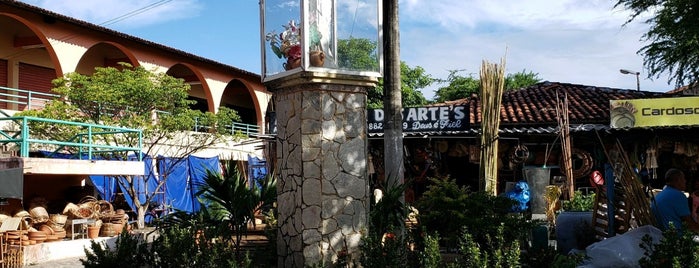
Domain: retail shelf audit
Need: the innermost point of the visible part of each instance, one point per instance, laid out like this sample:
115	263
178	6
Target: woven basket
69	207
39	214
58	219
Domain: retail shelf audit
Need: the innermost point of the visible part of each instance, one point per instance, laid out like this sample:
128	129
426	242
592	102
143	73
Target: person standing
671	205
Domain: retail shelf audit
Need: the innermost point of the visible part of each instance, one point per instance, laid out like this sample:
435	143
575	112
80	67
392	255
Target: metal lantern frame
317	27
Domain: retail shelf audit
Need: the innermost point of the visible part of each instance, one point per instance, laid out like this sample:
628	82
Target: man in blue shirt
671	205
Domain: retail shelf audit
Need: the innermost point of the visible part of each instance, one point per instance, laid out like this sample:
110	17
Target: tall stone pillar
323	190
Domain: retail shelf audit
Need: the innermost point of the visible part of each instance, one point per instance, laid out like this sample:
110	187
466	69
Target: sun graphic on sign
622	114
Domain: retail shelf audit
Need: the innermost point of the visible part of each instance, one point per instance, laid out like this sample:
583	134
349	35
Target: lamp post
319	59
638	80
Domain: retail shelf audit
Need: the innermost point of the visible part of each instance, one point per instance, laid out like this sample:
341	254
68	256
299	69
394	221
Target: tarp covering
197	172
142	184
177	187
257	170
183	175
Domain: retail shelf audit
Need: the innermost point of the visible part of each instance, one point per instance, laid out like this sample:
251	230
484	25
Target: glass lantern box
320	36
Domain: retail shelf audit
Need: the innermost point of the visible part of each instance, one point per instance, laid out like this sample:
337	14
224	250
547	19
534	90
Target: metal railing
19	99
86	142
235	128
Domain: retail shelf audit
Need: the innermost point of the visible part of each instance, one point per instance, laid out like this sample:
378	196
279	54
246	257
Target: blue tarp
179	189
140	182
257	170
197	172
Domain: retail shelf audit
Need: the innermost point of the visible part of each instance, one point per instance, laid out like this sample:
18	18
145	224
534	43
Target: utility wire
108	22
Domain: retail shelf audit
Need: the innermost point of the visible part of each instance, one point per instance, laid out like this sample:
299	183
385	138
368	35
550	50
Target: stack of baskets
111	222
18	237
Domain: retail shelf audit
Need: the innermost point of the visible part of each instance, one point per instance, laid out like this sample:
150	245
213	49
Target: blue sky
569	41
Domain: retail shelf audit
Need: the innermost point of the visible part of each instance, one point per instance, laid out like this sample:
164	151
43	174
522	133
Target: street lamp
638	81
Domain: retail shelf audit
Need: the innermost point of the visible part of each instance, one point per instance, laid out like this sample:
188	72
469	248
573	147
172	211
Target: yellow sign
680	111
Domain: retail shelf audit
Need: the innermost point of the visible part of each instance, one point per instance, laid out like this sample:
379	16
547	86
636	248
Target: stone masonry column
323	189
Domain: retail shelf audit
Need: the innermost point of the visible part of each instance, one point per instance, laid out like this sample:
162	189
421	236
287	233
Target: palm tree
230	198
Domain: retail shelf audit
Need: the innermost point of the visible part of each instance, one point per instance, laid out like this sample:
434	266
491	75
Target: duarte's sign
420	119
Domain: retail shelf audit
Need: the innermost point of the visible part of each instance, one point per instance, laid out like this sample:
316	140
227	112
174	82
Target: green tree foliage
130	97
460	87
673	37
357	54
412	80
361	54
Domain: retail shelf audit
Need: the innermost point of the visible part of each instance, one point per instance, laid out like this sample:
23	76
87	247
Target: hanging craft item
520	154
585	160
652	161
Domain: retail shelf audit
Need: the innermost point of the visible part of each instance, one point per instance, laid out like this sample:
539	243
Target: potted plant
287	44
574	222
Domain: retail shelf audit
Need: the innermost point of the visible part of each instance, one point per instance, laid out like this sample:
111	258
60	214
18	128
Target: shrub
676	249
128	252
579	202
498	253
430	257
379	250
447	208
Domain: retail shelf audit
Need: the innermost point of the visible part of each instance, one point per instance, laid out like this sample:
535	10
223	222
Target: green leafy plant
499	253
430	257
230	196
127	252
579	202
381	250
676	249
390	210
447	207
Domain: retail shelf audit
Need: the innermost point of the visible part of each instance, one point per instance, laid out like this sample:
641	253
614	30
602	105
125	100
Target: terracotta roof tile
536	105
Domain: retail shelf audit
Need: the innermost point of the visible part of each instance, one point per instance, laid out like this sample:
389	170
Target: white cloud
122	13
569	41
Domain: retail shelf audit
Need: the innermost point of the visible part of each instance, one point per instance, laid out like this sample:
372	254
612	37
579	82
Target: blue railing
86	143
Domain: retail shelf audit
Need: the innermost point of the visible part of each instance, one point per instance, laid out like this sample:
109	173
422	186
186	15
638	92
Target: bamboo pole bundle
564	132
492	79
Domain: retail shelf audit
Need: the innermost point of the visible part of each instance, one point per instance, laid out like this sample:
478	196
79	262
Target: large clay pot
572	229
93	232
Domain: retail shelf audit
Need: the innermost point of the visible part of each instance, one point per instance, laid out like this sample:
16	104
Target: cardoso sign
680	111
419	119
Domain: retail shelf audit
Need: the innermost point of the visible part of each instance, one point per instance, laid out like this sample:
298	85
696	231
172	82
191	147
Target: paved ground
62	263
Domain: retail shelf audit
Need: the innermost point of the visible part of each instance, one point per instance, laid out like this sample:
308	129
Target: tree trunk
393	120
141	216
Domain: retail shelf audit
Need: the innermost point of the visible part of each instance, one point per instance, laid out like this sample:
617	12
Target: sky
568	41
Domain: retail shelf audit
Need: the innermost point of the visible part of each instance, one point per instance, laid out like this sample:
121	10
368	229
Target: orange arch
204	84
255	101
132	58
44	40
